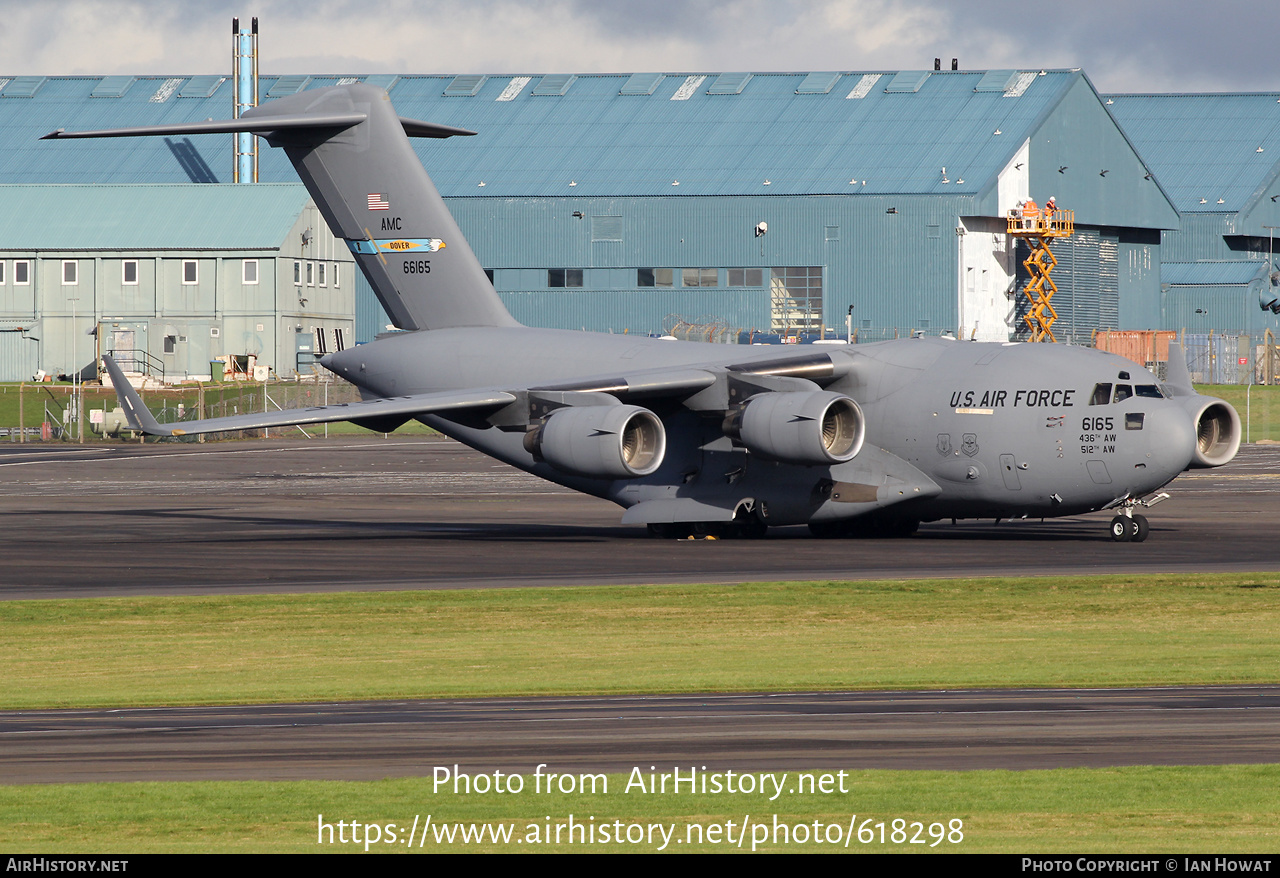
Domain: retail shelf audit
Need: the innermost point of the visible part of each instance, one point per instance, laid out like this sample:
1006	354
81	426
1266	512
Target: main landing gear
1130	527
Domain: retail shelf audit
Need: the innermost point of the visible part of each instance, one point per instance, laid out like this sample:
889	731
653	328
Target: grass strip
1050	632
1225	809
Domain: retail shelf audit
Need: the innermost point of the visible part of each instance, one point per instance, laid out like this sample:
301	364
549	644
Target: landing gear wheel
1140	528
1122	529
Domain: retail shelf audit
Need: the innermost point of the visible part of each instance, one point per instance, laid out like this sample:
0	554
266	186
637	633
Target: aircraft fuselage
953	429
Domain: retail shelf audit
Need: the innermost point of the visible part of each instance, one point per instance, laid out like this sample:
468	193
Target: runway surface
369	513
372	513
1013	729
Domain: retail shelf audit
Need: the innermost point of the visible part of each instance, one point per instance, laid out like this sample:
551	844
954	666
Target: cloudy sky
1124	45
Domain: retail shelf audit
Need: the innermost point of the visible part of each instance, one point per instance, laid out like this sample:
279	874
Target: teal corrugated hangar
167	276
1218	157
771	202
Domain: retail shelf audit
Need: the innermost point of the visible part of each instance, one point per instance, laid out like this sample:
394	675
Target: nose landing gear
1128	526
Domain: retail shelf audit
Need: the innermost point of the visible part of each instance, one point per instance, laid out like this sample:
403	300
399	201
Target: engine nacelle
1217	427
600	441
813	428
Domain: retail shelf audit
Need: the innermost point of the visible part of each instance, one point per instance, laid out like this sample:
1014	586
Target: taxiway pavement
372	513
961	730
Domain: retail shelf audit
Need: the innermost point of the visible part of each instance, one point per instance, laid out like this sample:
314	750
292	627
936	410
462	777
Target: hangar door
19	356
1088	280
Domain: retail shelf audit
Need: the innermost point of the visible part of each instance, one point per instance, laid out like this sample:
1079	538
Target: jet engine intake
600	441
1217	427
815	428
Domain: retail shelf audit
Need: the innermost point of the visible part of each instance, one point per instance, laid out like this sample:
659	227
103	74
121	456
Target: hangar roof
183	216
583	135
1213	153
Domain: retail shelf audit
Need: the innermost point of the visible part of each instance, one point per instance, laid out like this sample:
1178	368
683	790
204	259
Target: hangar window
190	271
249	274
2	264
170	343
311	274
129	272
335	275
746	277
700	277
488	272
21	272
655	277
297	272
795	298
1101	394
564	277
70	272
320	266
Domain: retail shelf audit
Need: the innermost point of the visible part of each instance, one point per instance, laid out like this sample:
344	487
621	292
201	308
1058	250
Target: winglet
140	417
1177	376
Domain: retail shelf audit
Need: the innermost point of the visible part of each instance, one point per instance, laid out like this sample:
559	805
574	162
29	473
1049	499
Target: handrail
1058	223
131	357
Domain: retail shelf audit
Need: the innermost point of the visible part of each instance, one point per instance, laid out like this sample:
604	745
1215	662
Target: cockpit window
1133	420
1101	394
1123	392
1150	391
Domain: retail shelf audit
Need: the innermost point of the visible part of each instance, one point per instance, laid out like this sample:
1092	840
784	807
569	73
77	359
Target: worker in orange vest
1049	207
1030	214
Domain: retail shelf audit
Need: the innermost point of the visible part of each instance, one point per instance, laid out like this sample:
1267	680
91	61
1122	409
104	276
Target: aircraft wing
667	382
141	419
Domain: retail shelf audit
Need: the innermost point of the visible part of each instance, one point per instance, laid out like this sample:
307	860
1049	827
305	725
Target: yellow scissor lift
1039	230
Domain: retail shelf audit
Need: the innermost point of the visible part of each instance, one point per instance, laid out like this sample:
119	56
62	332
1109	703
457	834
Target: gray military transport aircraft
708	438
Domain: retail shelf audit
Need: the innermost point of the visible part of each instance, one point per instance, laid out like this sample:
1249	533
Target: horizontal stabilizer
264	124
142	421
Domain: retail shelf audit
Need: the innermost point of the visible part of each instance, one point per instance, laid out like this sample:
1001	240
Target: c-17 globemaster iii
703	438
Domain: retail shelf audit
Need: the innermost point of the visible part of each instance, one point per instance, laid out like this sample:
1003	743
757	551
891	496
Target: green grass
1231	809
1091	631
1096	631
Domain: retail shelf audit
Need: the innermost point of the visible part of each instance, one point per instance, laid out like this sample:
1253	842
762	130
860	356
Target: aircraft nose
1171	438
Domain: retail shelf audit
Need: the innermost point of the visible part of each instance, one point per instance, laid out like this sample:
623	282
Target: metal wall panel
1139	281
1200	238
1198	309
887	265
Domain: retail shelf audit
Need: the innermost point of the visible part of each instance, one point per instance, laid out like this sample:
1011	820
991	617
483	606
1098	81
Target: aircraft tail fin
353	154
1178	376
